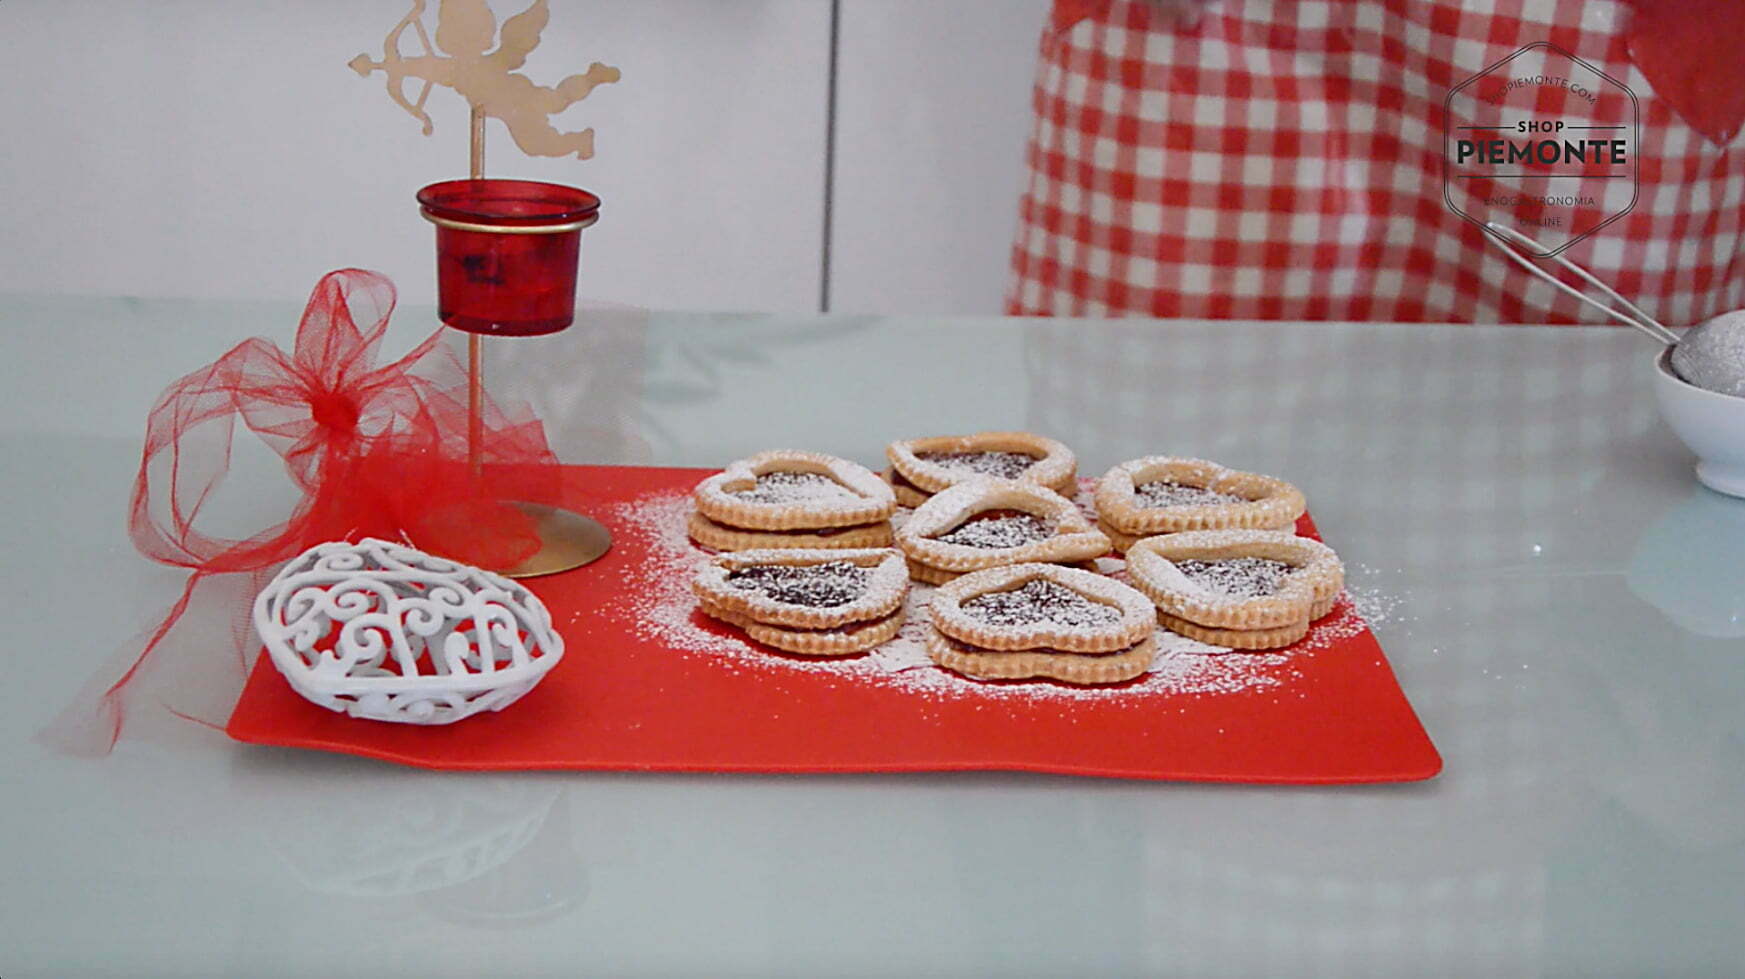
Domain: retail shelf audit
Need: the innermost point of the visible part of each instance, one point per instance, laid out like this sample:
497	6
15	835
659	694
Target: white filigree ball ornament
387	632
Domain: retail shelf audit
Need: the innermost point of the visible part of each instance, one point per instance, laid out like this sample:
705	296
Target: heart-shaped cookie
1030	606
784	489
807	589
987	523
811	602
929	465
1237	579
1042	620
1168	495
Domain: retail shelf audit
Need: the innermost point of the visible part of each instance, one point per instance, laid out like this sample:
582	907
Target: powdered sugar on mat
657	598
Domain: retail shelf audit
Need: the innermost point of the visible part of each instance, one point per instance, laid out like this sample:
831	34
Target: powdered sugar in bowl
1711	423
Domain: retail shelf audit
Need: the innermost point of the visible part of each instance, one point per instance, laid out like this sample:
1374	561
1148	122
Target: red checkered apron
1284	160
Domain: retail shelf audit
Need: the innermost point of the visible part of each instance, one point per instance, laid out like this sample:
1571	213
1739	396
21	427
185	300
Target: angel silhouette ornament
465	31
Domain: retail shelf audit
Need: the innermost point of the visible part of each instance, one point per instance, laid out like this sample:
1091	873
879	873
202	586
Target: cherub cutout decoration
465	31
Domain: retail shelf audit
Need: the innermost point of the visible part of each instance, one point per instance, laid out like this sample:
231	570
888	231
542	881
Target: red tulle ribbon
376	451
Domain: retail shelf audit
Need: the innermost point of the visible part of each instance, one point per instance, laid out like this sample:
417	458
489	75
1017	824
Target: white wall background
203	148
933	114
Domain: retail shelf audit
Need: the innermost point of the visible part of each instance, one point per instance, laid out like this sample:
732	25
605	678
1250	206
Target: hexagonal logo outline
1635	143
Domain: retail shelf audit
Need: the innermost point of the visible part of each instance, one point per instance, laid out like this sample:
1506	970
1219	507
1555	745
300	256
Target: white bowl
1712	424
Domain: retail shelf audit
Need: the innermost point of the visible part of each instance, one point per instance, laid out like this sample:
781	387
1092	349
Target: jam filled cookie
784	498
1042	620
719	537
989	523
922	467
1165	495
1247	589
811	602
906	493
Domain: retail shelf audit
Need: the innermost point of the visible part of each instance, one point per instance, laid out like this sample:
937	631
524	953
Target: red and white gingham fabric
1282	159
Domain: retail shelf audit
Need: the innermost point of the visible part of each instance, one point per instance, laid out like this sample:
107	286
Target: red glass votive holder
507	252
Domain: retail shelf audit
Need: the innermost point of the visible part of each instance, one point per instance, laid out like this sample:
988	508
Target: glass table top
1563	605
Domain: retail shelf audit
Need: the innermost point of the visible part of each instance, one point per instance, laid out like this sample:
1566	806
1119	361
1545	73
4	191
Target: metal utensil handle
1640	320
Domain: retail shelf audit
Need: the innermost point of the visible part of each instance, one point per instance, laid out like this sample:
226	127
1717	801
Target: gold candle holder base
568	540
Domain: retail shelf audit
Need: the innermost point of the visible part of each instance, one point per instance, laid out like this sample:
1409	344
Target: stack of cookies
1042	620
987	523
1245	589
925	466
1168	495
784	498
814	602
806	565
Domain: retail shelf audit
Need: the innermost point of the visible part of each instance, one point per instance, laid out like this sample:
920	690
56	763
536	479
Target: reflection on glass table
1557	597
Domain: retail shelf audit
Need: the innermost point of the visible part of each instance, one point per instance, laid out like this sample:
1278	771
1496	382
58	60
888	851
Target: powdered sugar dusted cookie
844	640
813	602
720	537
809	589
930	465
784	489
1079	668
1032	620
987	523
907	494
1167	495
1270	584
1028	606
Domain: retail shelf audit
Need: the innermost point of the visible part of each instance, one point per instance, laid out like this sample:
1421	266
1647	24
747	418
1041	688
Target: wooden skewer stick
475	343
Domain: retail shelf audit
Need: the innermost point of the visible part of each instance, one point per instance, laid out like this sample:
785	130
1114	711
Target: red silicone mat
626	698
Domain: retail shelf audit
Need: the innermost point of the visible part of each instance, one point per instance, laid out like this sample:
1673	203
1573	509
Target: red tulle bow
377	451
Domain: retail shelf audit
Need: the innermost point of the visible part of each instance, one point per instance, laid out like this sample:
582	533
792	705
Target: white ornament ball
387	632
1712	354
